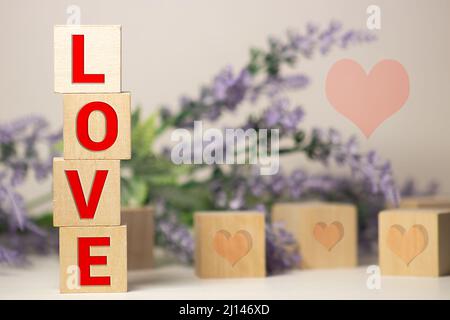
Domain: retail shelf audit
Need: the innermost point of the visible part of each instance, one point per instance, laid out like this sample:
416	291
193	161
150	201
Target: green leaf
143	136
136	193
7	150
135	117
45	220
59	146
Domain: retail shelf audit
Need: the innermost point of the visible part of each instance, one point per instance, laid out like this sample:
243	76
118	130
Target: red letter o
83	126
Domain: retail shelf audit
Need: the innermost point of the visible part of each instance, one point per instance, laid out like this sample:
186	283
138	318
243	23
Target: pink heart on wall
367	99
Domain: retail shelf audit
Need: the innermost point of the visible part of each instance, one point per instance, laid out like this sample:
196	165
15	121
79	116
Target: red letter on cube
86	210
78	75
85	261
83	126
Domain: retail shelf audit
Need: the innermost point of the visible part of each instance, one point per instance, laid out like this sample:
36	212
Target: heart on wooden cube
230	244
328	235
414	242
326	232
407	245
233	248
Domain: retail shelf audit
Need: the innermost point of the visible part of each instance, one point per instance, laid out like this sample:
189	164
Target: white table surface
40	281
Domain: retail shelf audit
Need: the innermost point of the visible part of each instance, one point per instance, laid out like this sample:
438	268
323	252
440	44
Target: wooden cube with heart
414	242
326	232
230	244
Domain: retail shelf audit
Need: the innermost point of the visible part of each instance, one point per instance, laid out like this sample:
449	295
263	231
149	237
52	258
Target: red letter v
86	210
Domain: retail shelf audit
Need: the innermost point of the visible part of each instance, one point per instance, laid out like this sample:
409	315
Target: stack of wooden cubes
86	182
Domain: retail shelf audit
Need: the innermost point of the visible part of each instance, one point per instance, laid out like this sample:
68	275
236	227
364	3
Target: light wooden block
140	236
102	55
425	203
97	126
116	259
414	242
326	232
65	211
229	244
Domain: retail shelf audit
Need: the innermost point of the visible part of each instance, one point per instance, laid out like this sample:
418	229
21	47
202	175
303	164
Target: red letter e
85	261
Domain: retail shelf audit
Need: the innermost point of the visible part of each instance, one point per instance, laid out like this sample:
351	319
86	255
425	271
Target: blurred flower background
177	191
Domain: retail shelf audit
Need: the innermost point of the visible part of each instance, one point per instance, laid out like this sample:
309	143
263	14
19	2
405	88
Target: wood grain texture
326	232
65	212
102	55
414	242
121	149
116	255
140	235
229	244
425	203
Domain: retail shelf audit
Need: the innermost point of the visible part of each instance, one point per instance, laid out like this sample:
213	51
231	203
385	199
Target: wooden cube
140	236
86	192
414	242
425	203
87	58
97	126
326	232
229	244
93	259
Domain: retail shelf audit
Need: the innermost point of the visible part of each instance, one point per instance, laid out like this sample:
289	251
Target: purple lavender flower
321	184
302	44
15	205
231	90
237	202
297	183
42	169
257	185
26	146
279	115
260	207
177	239
11	257
334	34
410	189
281	250
19	171
239	190
275	86
294	82
213	113
277	184
387	184
354	37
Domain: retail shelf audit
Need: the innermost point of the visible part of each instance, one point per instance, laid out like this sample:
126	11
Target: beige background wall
171	47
